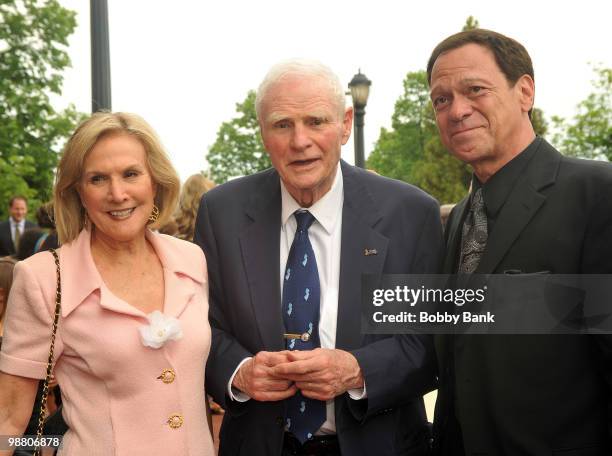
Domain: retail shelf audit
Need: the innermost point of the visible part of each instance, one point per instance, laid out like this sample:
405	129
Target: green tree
33	40
589	133
238	149
412	125
470	24
12	182
539	122
440	174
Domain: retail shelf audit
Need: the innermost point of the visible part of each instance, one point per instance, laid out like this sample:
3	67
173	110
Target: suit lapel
260	246
359	215
523	203
515	215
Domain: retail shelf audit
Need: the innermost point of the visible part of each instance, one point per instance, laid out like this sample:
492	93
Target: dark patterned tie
301	296
474	234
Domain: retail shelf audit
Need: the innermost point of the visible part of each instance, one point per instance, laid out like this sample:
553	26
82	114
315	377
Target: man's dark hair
511	56
44	216
17	197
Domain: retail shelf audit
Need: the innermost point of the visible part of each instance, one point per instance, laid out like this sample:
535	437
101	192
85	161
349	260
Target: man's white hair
301	68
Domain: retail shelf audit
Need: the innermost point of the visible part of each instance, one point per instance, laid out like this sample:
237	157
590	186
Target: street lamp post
100	57
360	90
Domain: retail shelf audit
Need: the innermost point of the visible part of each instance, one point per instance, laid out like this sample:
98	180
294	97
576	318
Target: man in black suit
368	387
530	210
12	229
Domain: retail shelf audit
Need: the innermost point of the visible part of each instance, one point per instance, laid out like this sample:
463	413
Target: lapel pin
368	252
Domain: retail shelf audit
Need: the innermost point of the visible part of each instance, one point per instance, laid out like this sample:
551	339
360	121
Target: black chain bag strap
45	392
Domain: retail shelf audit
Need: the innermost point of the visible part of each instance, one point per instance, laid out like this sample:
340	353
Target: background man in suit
531	210
363	392
12	229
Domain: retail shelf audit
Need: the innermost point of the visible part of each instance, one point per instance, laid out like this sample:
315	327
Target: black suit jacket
6	240
238	226
537	394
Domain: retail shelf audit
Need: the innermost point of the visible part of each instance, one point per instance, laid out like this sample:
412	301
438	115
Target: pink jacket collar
80	277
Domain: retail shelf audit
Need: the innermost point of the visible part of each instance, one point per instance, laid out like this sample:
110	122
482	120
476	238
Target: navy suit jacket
6	240
238	226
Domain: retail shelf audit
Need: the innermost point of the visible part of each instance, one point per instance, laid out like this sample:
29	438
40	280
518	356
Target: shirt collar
15	223
497	189
325	211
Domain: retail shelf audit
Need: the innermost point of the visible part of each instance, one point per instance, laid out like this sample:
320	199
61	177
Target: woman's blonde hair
69	212
189	202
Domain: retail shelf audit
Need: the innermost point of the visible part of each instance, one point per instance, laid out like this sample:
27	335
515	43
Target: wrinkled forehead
307	93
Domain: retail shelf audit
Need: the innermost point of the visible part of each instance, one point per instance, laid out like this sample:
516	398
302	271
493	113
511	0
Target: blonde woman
133	336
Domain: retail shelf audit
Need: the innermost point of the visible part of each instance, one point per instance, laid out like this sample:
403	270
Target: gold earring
154	214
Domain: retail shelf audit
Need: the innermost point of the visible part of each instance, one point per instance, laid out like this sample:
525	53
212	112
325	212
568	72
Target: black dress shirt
497	189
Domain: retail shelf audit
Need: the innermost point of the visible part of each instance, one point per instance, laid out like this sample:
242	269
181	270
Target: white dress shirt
325	237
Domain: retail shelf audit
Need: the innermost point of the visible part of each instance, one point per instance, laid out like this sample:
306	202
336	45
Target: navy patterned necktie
301	297
474	234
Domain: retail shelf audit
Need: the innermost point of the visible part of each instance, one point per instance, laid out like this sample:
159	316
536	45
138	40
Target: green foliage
33	39
238	150
440	174
589	133
14	172
396	150
411	151
538	121
470	24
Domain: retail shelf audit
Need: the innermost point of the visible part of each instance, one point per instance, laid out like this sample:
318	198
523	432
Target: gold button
167	376
175	421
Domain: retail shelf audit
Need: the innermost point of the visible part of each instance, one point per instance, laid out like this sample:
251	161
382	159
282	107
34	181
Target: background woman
133	336
189	202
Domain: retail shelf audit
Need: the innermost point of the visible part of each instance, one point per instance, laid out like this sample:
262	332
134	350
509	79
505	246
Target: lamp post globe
360	90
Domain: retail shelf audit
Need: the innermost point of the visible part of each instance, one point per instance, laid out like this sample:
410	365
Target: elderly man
12	229
532	211
286	249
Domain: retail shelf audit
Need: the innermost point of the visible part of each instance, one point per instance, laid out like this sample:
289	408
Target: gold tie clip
304	337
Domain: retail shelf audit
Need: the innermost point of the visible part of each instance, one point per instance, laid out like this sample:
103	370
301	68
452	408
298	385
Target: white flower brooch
160	330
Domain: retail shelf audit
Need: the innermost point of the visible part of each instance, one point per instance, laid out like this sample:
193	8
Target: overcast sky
183	65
